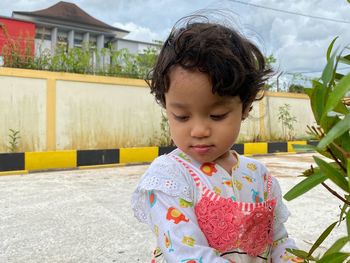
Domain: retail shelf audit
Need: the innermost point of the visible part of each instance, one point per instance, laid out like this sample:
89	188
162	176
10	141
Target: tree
269	60
296	88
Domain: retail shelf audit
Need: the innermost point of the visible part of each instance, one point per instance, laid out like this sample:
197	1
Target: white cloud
299	43
138	32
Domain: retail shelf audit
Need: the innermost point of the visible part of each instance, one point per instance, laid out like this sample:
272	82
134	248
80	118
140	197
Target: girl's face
202	124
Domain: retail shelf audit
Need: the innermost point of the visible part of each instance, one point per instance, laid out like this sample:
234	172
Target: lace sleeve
281	239
282	213
163	175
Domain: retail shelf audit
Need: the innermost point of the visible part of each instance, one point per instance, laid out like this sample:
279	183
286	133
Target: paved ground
85	215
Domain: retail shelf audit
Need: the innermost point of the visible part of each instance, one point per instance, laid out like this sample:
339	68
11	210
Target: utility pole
277	82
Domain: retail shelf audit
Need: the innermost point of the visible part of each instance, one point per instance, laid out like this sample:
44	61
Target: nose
200	129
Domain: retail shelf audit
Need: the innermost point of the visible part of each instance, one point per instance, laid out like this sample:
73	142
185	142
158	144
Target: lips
201	149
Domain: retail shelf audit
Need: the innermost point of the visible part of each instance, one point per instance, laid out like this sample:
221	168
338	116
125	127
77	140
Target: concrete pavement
85	215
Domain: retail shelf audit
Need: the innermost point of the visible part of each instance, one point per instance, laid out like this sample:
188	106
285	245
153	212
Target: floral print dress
179	199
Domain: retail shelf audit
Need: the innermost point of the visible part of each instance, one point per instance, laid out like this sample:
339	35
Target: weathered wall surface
23	108
62	111
98	116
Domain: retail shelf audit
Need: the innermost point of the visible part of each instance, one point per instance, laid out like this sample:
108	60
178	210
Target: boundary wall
18	163
55	111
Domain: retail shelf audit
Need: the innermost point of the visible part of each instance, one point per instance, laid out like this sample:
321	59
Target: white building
67	24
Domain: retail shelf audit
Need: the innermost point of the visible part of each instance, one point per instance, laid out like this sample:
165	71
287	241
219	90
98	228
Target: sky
298	42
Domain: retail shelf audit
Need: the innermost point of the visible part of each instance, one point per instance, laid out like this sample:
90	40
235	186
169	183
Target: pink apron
228	224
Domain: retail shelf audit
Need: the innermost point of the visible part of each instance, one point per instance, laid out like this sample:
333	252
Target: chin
203	159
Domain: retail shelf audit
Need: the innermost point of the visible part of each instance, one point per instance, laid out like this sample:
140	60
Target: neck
227	161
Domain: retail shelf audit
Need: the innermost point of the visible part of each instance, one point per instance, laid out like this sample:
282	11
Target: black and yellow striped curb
15	163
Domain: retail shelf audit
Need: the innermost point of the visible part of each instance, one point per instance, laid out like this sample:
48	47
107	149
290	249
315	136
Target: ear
246	111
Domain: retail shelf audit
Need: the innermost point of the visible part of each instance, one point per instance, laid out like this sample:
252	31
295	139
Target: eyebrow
184	106
220	103
178	105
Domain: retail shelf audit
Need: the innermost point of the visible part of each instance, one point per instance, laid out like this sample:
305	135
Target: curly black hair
234	65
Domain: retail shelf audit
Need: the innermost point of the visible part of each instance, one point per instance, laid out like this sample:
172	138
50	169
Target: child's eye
218	117
181	117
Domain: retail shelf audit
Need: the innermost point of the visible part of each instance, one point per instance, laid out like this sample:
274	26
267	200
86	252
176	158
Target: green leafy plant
13	140
295	85
17	53
296	88
330	106
269	60
287	121
164	139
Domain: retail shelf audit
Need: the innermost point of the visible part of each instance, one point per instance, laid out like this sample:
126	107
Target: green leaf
344	142
337	257
330	47
337	130
329	122
341	108
298	253
337	246
338	76
305	185
317	100
322	237
308	92
328	71
345	60
336	95
332	173
304	147
343	211
348	173
348	222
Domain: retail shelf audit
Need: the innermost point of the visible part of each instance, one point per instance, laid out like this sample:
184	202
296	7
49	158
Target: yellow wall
299	108
23	108
50	160
99	116
63	111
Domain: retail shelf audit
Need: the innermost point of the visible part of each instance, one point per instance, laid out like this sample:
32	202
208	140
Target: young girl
204	202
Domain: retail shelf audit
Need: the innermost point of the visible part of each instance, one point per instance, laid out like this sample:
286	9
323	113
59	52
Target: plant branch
336	159
316	131
335	194
345	153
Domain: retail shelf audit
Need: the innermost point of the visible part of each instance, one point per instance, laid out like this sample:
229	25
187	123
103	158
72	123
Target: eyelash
218	117
213	117
181	118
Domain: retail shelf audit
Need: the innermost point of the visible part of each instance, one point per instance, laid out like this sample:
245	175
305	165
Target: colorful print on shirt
251	166
156	230
208	168
287	257
175	215
255	196
167	242
185	204
192	260
188	241
152	198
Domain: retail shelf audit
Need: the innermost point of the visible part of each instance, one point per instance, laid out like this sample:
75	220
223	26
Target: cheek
174	129
232	129
178	132
171	124
178	136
